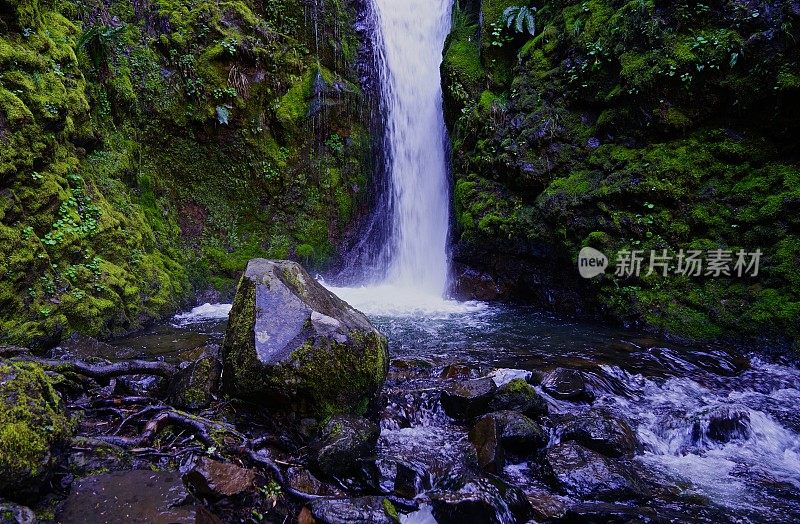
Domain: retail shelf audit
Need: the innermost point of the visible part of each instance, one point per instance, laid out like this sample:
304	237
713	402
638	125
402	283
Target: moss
390	510
33	426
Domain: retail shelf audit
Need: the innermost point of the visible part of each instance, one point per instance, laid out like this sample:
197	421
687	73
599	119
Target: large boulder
293	346
601	431
34	429
518	395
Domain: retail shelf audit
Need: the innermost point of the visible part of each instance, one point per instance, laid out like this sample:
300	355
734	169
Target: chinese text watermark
690	262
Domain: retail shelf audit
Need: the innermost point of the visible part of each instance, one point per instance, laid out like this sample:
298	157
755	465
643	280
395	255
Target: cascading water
413	34
408	39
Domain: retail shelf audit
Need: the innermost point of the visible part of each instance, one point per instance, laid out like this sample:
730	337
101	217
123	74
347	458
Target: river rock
518	433
518	395
601	431
213	479
722	424
304	481
374	510
293	346
485	436
343	441
566	384
392	476
195	383
15	514
480	501
581	472
467	399
34	429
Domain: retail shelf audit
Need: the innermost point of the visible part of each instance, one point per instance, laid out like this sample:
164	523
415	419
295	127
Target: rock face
33	426
293	346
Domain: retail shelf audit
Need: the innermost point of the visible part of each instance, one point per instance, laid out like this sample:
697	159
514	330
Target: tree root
105	371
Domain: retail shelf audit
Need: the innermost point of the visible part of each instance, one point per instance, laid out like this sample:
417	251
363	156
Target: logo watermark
692	262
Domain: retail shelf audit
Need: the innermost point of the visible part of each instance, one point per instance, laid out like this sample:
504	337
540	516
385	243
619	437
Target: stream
669	393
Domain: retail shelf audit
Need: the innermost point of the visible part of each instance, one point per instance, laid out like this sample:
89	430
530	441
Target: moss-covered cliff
150	148
624	125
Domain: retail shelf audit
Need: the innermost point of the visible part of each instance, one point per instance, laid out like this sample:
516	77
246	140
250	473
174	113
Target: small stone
214	479
15	514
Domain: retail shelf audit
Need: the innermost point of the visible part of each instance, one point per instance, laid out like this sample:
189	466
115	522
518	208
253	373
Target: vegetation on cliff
631	125
149	149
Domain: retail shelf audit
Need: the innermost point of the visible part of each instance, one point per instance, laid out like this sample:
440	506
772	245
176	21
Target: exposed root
105	371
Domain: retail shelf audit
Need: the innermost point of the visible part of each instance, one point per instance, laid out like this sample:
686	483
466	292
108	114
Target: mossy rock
33	428
292	346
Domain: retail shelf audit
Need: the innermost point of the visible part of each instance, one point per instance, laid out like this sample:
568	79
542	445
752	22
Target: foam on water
202	313
399	301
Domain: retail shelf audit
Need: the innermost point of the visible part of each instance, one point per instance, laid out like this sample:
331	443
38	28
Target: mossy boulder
33	428
292	346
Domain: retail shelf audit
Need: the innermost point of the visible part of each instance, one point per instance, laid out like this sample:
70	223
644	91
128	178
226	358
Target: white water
411	40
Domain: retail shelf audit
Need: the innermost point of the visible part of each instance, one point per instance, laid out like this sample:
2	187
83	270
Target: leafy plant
98	42
520	18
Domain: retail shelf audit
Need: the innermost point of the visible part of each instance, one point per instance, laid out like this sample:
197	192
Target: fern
521	19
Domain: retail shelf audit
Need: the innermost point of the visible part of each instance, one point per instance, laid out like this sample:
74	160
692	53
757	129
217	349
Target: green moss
32	426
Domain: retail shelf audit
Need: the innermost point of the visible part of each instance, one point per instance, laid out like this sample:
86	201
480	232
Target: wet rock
545	506
458	371
392	476
601	431
468	399
195	383
375	510
518	433
34	429
343	441
495	433
518	395
486	439
15	514
566	384
90	456
213	479
141	385
122	497
302	480
471	284
723	424
607	513
480	501
293	346
581	472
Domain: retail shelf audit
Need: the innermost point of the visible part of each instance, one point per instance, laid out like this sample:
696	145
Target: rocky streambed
487	414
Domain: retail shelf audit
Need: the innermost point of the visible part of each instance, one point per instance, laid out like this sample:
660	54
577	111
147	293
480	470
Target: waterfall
403	255
411	35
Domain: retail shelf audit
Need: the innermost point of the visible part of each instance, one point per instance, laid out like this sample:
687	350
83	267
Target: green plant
98	42
521	19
